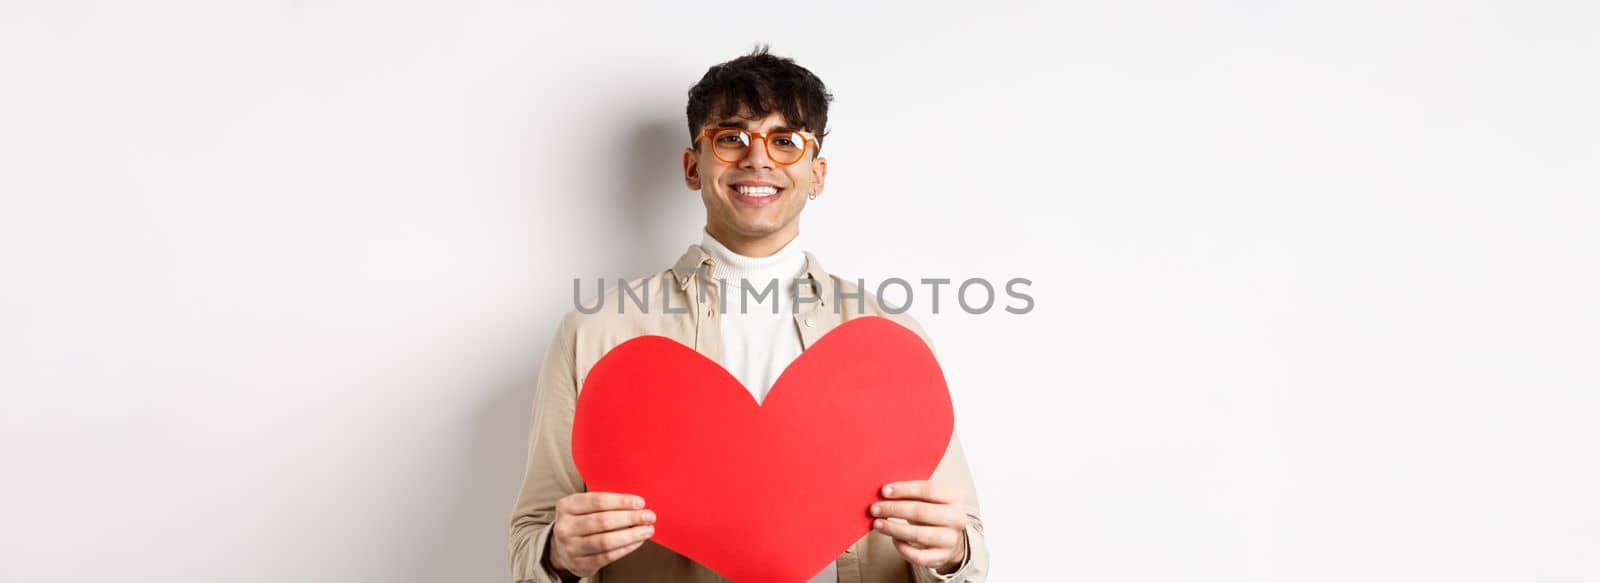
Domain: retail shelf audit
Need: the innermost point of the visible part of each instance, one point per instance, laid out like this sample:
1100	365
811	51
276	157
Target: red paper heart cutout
766	493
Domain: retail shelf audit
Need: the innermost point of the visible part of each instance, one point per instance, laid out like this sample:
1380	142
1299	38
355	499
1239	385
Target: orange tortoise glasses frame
785	147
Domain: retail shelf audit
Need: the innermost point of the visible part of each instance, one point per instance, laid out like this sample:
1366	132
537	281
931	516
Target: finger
598	522
921	513
587	502
922	536
593	563
920	556
923	490
605	542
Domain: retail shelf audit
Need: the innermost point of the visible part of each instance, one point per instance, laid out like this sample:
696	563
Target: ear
819	173
691	168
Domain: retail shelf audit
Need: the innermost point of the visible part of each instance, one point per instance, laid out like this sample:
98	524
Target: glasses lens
785	147
731	145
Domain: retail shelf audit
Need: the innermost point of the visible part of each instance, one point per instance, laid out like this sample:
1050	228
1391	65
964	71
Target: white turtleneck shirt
759	338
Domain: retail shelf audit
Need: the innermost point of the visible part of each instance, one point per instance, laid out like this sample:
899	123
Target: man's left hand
927	521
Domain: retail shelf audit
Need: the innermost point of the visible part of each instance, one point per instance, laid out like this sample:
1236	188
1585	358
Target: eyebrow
745	125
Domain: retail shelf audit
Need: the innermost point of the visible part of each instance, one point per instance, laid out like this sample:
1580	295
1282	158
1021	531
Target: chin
763	220
760	230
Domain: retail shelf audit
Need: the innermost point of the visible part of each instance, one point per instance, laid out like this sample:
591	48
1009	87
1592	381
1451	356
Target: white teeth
757	190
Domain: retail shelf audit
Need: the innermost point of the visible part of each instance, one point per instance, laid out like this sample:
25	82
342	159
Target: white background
1315	283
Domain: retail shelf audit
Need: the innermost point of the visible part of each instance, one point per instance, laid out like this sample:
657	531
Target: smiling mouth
755	195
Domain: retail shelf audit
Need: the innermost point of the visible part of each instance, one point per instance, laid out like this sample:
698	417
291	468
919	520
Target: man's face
752	218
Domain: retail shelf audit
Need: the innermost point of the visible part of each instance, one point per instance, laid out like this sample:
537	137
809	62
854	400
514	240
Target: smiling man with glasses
756	126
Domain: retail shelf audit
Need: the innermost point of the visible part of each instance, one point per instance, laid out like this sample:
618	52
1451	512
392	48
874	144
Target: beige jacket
689	316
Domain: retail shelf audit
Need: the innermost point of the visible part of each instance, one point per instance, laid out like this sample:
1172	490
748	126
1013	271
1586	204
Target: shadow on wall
650	218
660	213
640	215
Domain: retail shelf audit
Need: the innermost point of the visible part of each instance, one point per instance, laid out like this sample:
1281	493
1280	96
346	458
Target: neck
758	246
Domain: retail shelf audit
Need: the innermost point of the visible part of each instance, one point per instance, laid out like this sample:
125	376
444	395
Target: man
756	125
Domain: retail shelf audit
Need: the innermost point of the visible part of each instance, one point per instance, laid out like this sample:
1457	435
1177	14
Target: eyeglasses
784	147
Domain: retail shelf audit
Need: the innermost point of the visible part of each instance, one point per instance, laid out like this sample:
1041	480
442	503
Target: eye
730	139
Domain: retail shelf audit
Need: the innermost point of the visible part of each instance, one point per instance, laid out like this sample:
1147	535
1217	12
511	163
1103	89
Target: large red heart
767	493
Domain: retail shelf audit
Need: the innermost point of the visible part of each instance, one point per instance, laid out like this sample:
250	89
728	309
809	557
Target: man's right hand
593	529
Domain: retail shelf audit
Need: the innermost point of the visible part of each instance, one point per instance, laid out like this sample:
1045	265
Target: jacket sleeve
550	473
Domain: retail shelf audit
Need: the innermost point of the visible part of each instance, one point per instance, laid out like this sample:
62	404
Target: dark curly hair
764	83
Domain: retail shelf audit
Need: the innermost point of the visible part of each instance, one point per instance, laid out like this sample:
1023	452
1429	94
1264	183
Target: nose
756	157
